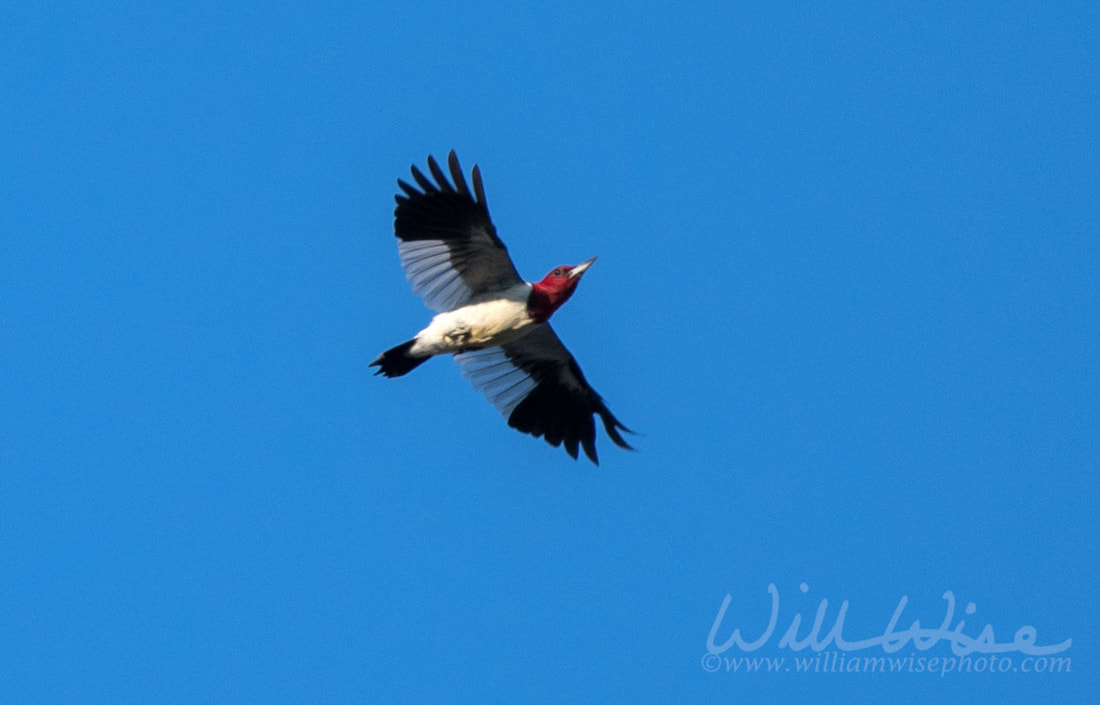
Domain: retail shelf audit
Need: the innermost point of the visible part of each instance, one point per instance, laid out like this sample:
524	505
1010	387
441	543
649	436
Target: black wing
538	386
448	245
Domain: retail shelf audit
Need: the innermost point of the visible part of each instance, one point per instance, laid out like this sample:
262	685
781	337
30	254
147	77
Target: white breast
484	322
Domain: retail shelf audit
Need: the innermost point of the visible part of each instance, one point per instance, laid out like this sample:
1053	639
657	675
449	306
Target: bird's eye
557	272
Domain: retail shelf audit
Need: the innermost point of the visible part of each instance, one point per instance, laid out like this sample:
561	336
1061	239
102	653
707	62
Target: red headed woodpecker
492	321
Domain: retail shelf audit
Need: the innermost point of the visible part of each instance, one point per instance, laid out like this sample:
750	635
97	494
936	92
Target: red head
555	289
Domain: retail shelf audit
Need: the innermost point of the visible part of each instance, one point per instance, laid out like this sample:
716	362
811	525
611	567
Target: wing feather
456	174
537	385
447	242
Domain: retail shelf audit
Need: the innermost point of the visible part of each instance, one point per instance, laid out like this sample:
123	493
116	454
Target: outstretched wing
537	385
448	245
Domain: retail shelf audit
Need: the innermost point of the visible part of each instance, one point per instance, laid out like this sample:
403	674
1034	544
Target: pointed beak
575	272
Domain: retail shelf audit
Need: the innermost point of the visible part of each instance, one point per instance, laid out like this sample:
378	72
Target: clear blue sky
847	293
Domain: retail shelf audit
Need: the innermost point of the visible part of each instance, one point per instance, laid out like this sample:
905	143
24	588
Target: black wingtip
479	189
425	185
456	173
571	447
424	182
543	413
612	425
440	177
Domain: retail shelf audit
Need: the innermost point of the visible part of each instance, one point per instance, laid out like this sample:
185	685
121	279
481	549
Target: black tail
397	361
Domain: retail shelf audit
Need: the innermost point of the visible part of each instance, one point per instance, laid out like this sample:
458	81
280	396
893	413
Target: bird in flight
494	323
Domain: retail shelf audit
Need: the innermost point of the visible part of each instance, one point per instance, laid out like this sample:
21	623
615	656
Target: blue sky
846	293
